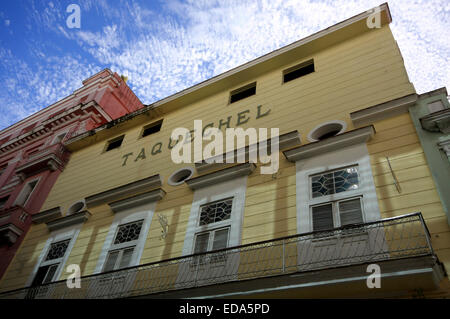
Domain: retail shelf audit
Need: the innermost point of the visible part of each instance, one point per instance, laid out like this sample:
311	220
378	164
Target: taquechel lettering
241	118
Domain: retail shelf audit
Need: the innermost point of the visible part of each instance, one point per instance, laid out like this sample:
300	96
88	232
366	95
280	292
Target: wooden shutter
220	239
111	261
126	257
322	217
350	212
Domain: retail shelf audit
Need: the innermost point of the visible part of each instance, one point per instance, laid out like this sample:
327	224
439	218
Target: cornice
361	135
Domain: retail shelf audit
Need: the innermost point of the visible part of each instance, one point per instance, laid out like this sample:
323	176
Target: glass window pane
338	181
322	217
128	232
57	250
50	273
215	212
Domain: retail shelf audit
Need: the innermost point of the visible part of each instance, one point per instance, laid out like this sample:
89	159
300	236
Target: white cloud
195	40
166	51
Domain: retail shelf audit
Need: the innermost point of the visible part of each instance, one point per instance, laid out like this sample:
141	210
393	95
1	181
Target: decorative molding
220	176
77	218
437	121
330	144
384	110
138	200
164	225
124	191
285	141
47	215
9	233
445	146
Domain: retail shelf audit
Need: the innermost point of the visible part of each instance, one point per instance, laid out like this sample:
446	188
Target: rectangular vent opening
114	143
152	128
298	71
243	92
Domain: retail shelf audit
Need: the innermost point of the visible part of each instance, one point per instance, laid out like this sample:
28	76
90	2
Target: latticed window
122	249
215	212
57	250
345	208
128	232
48	268
334	182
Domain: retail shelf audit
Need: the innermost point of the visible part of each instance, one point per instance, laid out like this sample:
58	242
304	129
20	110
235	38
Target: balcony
12	222
52	157
318	264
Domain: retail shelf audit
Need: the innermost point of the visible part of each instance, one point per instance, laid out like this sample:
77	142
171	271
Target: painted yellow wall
350	76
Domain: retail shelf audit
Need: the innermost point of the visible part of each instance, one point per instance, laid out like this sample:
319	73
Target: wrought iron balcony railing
388	239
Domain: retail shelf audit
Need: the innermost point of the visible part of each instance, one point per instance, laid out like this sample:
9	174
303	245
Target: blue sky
166	46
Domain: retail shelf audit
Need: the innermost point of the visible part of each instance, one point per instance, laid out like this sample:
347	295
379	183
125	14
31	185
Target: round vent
326	130
178	177
77	207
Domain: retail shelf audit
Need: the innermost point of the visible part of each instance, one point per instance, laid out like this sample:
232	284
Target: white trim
144	212
56	236
357	154
235	188
38	179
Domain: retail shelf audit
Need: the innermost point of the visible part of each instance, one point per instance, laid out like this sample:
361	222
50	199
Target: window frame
153	124
55	237
113	140
354	155
135	214
125	245
240	90
219	223
199	260
21	193
297	67
236	189
336	214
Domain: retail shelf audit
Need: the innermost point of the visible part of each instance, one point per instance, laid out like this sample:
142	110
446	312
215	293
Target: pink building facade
32	153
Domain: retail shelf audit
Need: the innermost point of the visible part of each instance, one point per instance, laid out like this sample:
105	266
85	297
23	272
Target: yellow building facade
137	224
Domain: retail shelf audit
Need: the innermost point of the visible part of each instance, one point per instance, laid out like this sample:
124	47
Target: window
123	246
59	138
214	207
337	214
26	193
47	270
334	182
114	143
330	212
151	128
215	212
214	215
211	240
298	71
243	92
435	106
3	201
